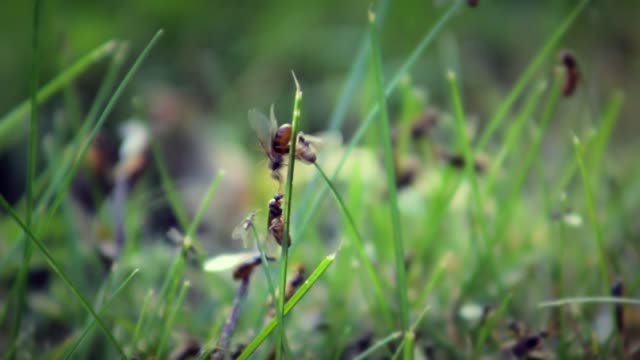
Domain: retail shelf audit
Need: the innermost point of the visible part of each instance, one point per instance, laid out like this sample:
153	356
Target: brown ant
422	126
275	223
572	74
274	140
457	160
295	282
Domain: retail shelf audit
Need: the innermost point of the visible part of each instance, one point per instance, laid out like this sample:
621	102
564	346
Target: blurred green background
226	57
219	59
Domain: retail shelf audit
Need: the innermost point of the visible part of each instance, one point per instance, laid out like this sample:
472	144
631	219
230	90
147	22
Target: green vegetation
479	217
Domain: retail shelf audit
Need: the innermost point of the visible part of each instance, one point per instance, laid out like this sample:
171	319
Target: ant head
568	59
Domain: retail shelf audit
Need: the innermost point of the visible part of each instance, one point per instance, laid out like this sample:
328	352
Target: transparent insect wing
310	139
242	232
224	262
273	122
327	140
264	128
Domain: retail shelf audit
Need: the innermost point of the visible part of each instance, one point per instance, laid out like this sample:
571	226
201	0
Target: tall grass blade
514	133
169	324
204	204
378	345
141	319
31	172
169	186
10	124
517	184
170	285
488	326
385	133
288	194
58	269
430	284
593	216
469	159
360	246
590	300
104	307
79	155
60	168
606	128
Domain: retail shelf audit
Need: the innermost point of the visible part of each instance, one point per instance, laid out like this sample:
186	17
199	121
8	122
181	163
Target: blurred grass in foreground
499	230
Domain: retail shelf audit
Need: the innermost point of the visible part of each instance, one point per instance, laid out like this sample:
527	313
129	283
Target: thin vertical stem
385	133
287	217
31	170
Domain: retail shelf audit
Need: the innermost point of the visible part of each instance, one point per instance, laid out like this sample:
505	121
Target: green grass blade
593	216
515	132
409	343
435	277
427	39
109	80
169	186
288	194
488	326
469	159
79	155
169	324
103	308
213	187
62	167
10	124
589	300
31	172
265	264
141	319
504	108
385	133
377	345
170	285
571	170
356	73
54	265
371	271
33	126
304	288
430	285
600	141
520	177
606	128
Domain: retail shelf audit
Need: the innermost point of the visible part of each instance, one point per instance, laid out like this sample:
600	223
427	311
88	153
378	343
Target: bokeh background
220	58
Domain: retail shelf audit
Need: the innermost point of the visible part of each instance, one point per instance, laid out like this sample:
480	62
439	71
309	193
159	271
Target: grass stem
385	133
58	270
21	292
284	257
